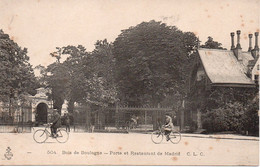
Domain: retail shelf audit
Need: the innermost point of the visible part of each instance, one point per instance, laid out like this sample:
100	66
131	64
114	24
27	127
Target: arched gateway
41	114
41	106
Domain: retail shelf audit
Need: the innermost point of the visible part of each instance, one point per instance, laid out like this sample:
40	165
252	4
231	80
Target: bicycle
131	125
157	136
40	135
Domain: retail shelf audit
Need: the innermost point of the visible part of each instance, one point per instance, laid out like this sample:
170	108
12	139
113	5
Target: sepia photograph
119	82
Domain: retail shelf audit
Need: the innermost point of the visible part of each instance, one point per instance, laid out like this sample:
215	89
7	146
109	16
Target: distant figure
137	121
67	122
56	123
92	124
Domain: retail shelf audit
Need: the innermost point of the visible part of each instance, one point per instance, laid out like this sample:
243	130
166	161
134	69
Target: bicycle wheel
157	137
175	137
62	136
40	136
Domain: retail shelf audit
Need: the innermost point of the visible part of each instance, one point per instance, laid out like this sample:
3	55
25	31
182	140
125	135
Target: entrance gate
41	115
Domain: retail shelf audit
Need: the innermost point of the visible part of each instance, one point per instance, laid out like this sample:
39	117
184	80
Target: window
200	75
256	79
257	66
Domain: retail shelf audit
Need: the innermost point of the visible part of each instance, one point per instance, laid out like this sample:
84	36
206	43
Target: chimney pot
238	39
232	34
250	42
256	41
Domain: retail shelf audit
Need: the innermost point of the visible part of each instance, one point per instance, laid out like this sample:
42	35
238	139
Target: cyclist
56	123
168	126
133	122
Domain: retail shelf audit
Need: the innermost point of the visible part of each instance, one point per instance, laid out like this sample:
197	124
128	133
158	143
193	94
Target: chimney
250	42
255	51
256	41
238	40
238	50
232	34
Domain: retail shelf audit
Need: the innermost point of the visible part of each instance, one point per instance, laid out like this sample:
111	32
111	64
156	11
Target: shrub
214	120
250	120
230	109
228	118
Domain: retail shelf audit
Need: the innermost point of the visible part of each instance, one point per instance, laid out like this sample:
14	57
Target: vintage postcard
140	82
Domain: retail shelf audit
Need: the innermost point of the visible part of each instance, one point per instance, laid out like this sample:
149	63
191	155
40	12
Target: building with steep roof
254	70
222	68
218	68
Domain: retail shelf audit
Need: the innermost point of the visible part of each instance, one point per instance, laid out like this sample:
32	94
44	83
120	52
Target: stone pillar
33	114
199	123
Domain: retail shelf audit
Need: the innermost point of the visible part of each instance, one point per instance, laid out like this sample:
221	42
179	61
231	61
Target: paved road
131	149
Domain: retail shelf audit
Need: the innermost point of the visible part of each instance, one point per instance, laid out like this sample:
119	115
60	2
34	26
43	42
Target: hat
169	114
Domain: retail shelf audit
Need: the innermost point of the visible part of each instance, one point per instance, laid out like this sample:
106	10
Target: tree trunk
57	104
71	106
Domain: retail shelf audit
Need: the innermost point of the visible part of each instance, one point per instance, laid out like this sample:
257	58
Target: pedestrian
92	124
67	122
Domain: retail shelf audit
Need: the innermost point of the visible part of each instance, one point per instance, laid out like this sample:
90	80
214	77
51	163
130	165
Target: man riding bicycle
133	122
168	126
56	123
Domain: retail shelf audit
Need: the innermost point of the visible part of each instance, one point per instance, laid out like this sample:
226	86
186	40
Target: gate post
116	116
182	119
182	110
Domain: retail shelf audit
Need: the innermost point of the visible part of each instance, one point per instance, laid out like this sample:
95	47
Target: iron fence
16	119
118	118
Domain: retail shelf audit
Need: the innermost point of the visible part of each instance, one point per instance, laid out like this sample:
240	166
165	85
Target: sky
43	25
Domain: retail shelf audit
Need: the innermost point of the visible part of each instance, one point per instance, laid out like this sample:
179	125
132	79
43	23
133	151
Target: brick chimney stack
256	41
232	34
255	51
250	42
238	50
238	40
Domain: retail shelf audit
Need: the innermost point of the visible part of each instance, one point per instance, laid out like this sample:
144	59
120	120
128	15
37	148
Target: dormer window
200	74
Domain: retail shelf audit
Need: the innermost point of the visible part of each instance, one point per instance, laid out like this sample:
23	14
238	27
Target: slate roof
222	66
